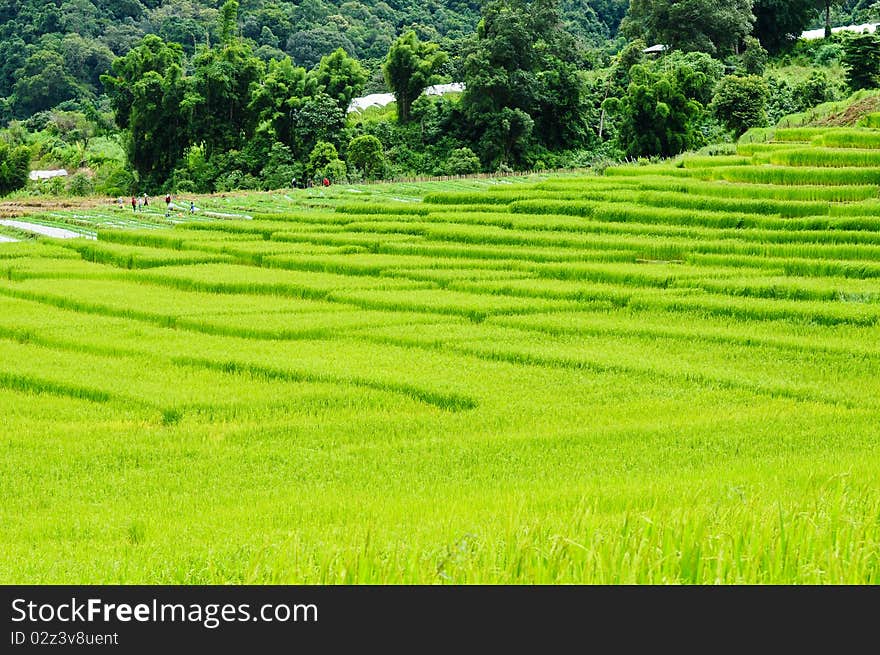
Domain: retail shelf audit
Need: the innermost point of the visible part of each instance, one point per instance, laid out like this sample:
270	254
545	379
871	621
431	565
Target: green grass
669	374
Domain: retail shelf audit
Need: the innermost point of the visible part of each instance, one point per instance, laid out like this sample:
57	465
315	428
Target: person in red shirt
134	205
326	182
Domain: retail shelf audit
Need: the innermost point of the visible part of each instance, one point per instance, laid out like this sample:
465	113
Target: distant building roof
654	49
46	175
810	35
441	89
372	100
382	99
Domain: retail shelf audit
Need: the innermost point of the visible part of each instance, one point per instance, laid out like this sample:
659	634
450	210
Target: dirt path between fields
25	206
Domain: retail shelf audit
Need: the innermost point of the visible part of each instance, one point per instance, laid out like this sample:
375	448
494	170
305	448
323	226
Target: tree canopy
712	26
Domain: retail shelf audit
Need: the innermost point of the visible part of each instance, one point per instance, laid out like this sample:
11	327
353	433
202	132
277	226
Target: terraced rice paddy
666	374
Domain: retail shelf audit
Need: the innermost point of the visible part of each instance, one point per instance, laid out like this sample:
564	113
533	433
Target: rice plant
548	379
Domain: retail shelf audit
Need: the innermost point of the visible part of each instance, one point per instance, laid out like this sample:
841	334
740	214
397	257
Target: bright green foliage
228	21
740	102
341	77
323	154
754	59
462	161
218	95
410	67
14	167
861	58
366	154
147	90
555	379
522	84
655	116
278	95
334	171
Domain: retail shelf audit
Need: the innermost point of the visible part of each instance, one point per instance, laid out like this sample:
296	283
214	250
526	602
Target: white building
47	175
811	35
382	99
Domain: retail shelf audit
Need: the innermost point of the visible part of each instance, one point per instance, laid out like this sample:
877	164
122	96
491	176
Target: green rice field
668	373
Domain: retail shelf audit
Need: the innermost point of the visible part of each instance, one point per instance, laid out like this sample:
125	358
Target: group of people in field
308	183
139	202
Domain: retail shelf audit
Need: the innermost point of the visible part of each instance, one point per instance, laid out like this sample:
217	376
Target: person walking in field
167	204
192	207
146	200
133	204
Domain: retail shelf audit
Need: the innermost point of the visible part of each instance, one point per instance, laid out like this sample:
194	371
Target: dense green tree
779	22
14	167
754	58
506	137
695	73
410	67
228	21
152	55
462	161
218	95
655	116
316	118
42	83
713	26
278	96
306	47
13	53
85	60
341	77
366	154
147	91
522	85
740	102
79	17
630	55
861	59
320	157
814	90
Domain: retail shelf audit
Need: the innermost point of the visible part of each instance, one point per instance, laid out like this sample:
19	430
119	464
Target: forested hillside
56	50
208	96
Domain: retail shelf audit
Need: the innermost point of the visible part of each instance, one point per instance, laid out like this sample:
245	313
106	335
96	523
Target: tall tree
278	96
410	67
712	26
14	167
660	112
861	59
521	82
146	91
825	6
219	90
341	77
780	22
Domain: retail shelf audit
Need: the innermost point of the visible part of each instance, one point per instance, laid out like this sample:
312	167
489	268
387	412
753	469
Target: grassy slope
657	376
